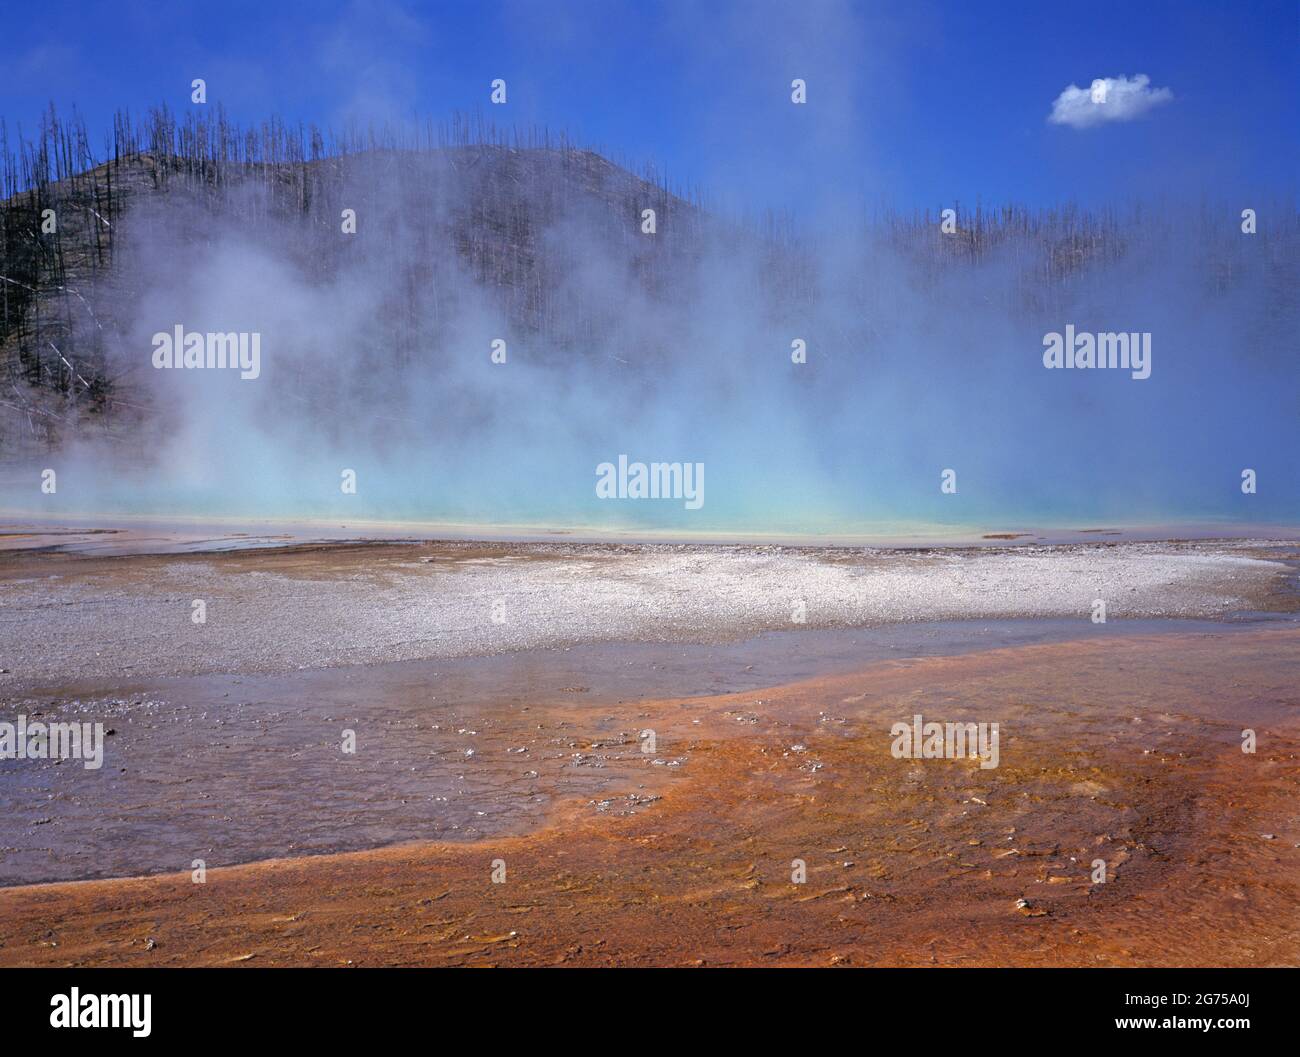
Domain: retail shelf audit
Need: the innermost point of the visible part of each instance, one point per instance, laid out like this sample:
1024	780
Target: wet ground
235	768
1124	750
110	535
74	616
653	759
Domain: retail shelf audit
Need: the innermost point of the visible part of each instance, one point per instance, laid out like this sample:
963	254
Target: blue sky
910	104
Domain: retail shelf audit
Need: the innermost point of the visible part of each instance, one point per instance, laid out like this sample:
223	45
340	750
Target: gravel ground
65	619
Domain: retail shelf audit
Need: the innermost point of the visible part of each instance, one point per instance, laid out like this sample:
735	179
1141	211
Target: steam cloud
375	357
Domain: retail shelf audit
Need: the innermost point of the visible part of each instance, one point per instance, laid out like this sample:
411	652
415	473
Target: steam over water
924	354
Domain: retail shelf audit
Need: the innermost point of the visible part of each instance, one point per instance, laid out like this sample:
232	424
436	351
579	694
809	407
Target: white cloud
1107	99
